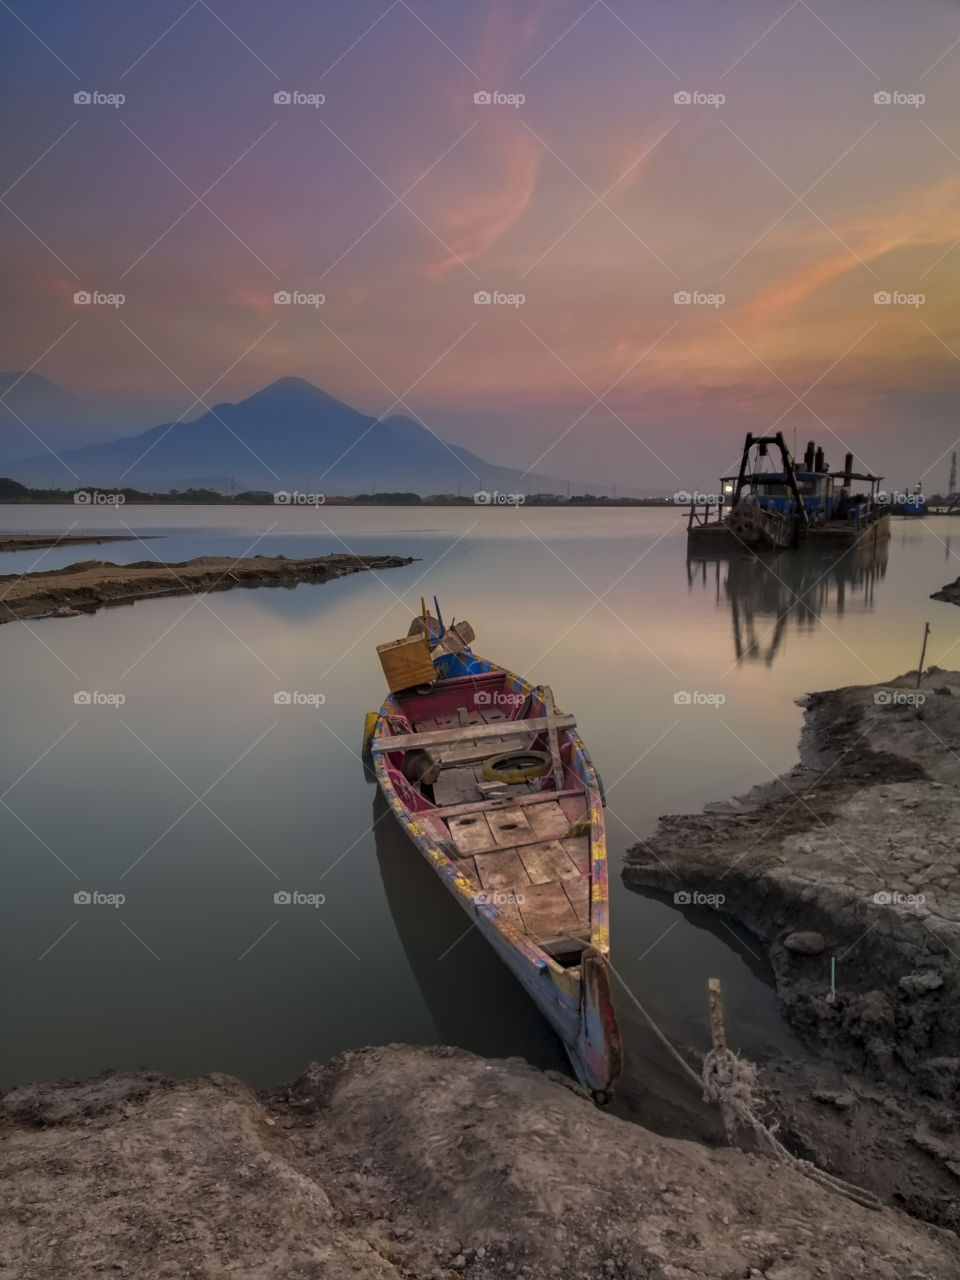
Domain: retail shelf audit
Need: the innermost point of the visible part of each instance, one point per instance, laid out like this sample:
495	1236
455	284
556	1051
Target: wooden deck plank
425	726
549	820
510	827
502	870
547	861
476	733
524	798
578	848
456	786
547	912
493	715
471	752
578	892
470	834
505	903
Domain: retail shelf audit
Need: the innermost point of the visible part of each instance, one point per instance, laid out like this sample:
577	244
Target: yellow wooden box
406	662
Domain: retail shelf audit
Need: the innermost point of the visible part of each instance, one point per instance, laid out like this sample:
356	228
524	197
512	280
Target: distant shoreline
182	499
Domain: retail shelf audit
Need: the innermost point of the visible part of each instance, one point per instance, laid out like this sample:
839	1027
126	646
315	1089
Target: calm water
199	798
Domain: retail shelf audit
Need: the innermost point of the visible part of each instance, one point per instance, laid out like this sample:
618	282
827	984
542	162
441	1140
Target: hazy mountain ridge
288	435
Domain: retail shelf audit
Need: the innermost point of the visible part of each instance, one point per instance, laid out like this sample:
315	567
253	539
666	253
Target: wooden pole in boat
719	1038
552	739
923	652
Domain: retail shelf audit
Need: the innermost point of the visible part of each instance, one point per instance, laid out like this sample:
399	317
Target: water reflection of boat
471	997
769	596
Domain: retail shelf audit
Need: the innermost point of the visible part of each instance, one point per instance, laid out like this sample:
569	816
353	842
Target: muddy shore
35	541
418	1162
848	870
950	594
86	586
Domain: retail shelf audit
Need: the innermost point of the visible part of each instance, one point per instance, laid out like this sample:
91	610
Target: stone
918	984
805	944
843	1101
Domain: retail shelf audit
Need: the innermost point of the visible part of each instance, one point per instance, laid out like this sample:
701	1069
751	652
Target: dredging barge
762	508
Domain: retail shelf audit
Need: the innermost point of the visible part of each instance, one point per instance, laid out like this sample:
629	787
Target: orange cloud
927	218
503	179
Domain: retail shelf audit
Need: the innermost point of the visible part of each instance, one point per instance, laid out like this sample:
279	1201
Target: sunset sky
599	197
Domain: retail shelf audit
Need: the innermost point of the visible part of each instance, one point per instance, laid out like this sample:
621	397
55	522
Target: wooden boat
497	791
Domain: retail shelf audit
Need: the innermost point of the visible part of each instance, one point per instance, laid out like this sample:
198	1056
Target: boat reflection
770	595
472	998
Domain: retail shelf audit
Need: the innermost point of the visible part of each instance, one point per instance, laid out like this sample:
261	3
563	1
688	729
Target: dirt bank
34	541
950	594
92	583
417	1162
853	859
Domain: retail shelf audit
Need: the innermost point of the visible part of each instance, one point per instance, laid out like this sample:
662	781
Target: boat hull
719	538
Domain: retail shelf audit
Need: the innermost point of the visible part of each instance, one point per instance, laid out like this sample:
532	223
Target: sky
781	196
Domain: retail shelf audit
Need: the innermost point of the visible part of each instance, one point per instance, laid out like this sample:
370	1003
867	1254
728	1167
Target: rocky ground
419	1162
848	869
86	586
34	541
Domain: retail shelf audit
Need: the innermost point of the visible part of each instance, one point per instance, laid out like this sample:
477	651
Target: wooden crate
406	662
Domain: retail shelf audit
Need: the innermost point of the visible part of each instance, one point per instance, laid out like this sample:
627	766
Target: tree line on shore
11	491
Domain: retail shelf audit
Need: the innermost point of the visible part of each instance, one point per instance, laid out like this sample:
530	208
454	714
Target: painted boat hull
577	1001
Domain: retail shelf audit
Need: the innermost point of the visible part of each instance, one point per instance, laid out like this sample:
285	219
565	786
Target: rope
730	1082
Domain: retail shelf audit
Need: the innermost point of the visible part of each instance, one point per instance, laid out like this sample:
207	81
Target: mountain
34	410
290	435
